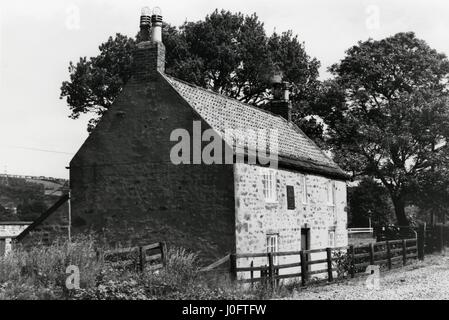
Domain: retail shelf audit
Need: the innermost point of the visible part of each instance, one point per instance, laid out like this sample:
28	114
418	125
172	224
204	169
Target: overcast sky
39	38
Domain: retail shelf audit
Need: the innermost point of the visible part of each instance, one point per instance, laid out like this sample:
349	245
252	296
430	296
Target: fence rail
388	253
360	230
144	258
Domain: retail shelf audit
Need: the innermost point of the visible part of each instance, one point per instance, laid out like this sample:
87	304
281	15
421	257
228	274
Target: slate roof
222	113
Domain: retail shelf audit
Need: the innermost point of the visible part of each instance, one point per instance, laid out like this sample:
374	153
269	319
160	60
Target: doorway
305	243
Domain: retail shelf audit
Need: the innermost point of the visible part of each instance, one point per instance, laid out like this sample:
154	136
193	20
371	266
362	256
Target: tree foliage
28	197
229	53
431	191
369	199
387	112
6	214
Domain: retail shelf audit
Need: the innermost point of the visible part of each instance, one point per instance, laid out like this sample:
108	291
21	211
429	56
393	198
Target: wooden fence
143	258
433	237
387	253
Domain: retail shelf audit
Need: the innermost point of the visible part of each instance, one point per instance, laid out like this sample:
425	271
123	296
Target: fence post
329	264
265	275
233	266
421	241
271	270
444	235
352	268
98	254
163	246
303	268
252	273
371	254
388	255
141	259
404	252
441	244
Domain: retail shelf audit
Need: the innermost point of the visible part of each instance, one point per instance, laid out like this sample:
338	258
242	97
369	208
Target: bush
180	279
343	263
39	272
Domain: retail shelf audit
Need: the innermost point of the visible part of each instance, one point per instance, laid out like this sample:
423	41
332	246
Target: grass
40	273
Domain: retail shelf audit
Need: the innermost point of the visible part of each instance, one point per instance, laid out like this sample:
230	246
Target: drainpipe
70	218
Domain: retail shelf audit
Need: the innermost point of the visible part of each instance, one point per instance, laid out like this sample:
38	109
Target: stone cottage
141	175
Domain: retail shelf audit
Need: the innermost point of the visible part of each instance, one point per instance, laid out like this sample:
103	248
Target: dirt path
419	280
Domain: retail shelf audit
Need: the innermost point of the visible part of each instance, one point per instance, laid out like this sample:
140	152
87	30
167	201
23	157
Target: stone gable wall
125	187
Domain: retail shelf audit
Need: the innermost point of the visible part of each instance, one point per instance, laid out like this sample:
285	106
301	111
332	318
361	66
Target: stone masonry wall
125	187
255	219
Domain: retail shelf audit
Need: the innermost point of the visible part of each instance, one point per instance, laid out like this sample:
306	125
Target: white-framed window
330	190
304	189
331	239
269	185
273	245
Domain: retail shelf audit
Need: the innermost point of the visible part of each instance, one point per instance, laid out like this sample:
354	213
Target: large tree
387	112
229	53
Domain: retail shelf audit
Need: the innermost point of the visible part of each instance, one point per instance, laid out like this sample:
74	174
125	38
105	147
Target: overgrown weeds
40	273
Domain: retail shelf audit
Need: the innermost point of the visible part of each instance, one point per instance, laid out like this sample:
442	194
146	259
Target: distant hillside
26	197
51	185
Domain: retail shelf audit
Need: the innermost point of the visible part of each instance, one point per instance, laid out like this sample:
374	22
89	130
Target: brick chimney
149	57
280	104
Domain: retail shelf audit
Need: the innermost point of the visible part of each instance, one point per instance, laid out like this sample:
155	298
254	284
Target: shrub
39	272
180	279
343	262
182	265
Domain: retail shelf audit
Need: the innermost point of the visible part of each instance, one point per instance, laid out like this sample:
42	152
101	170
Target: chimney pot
149	56
145	23
146	11
156	25
280	104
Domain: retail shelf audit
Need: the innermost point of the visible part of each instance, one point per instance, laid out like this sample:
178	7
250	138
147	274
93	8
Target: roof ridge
224	96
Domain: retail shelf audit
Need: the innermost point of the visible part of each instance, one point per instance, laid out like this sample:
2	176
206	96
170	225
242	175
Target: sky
38	39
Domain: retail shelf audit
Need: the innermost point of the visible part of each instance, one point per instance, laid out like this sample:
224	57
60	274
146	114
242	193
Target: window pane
269	184
290	198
